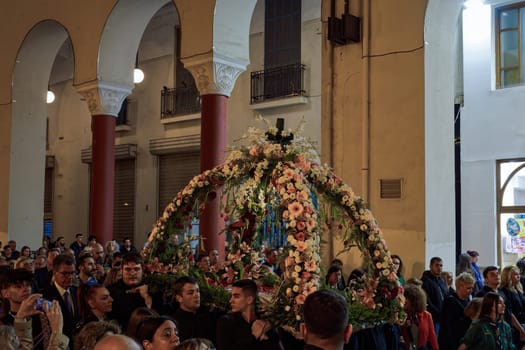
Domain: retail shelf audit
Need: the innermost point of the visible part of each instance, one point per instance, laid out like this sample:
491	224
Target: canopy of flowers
278	170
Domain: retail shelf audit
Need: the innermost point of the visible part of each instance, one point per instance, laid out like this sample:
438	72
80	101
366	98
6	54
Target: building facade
379	104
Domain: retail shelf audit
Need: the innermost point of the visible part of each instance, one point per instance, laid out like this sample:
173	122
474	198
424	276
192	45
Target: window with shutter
124	204
282	33
175	171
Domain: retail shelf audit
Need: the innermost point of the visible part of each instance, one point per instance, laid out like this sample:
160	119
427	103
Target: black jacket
201	324
71	321
454	323
43	279
436	291
125	302
234	333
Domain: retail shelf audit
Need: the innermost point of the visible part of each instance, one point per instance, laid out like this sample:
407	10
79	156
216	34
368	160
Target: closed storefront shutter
124	205
48	194
48	202
175	171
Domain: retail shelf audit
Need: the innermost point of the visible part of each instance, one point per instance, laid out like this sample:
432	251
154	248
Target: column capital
214	73
104	97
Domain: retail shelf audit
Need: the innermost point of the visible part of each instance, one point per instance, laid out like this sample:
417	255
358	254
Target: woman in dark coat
454	322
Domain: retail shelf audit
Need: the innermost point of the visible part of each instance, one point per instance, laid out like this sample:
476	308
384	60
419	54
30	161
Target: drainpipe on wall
330	107
331	93
365	126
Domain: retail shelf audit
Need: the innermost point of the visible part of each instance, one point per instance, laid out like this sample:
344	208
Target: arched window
511	208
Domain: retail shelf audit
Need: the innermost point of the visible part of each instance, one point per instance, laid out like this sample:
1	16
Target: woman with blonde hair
511	287
24	262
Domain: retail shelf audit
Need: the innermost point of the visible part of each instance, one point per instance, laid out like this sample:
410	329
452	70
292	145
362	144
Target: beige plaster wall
69	133
391	74
394	83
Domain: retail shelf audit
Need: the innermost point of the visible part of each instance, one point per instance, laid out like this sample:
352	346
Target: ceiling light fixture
138	74
50	98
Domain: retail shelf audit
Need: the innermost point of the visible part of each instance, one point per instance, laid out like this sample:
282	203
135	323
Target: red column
102	177
213	148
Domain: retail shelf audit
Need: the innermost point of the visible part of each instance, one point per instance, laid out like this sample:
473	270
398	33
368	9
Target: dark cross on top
278	137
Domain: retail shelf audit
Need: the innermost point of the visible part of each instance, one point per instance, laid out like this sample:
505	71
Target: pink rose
299	299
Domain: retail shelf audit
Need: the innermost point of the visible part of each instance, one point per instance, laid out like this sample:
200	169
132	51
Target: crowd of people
481	310
87	295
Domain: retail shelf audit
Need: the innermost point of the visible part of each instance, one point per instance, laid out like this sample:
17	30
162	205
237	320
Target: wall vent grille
390	188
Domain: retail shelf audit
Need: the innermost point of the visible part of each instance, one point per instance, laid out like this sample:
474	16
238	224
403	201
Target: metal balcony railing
179	101
279	82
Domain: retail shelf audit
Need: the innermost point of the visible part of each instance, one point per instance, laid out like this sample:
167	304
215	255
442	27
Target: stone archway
28	131
116	59
120	40
215	46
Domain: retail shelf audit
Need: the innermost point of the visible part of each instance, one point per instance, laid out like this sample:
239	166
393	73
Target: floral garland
282	175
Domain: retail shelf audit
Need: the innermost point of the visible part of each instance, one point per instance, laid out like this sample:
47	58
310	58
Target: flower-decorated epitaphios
277	169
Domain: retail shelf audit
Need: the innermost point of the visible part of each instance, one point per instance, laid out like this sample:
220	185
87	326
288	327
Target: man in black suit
63	291
44	275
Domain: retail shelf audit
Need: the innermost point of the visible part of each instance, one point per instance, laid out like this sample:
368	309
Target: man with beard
86	269
98	257
193	321
129	293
